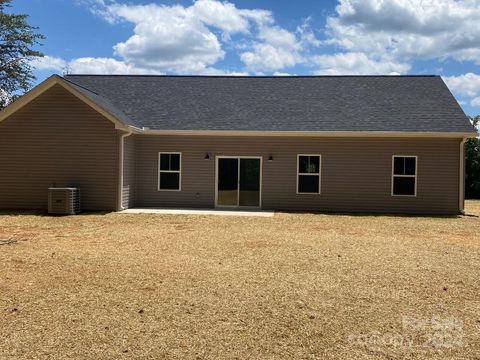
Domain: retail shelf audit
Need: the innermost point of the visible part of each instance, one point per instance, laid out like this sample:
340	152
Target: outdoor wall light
207	156
270	158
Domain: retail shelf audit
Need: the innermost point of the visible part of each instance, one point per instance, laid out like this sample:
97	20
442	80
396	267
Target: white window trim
310	174
408	176
179	172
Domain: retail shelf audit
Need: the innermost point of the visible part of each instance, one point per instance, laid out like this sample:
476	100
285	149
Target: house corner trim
121	158
461	185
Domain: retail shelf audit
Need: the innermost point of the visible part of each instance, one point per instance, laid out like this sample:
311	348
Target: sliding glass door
238	181
227	193
249	183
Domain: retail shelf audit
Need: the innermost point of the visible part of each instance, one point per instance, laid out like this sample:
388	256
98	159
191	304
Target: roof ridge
253	76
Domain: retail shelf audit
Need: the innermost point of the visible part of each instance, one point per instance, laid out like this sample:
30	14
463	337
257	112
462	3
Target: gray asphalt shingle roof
303	103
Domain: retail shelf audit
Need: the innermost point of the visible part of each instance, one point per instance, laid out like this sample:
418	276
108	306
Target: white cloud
268	57
278	37
227	17
186	39
356	64
370	37
467	85
475	101
99	8
408	29
306	34
167	38
278	48
48	63
88	65
176	38
224	16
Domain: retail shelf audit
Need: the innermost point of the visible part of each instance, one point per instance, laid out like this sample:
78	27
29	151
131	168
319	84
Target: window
404	175
308	174
169	173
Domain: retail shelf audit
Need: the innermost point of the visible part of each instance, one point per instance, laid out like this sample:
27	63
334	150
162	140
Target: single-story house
324	143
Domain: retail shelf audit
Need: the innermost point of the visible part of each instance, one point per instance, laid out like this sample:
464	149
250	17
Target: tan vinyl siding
128	194
57	138
356	172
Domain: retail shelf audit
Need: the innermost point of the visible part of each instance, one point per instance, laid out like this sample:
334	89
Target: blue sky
263	37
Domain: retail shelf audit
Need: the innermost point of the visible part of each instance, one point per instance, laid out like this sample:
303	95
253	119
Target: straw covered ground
311	286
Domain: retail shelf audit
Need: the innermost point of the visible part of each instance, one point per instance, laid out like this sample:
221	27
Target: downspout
461	187
120	169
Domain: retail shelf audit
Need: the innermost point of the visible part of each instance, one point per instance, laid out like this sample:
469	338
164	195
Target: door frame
217	158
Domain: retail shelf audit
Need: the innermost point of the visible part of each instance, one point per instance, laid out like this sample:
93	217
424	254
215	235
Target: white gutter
135	129
461	187
406	134
120	170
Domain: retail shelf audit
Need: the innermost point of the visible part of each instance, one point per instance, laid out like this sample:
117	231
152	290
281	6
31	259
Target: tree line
472	164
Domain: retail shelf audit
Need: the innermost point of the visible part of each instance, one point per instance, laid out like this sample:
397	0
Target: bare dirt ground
312	286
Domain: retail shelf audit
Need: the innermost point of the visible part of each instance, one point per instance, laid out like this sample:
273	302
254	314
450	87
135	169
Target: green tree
17	40
472	164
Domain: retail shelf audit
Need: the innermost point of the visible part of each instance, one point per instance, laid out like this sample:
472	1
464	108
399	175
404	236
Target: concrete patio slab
198	212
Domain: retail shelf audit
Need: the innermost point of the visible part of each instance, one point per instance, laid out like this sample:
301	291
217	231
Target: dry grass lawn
306	286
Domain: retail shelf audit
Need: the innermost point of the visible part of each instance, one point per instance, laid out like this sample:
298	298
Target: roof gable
93	100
